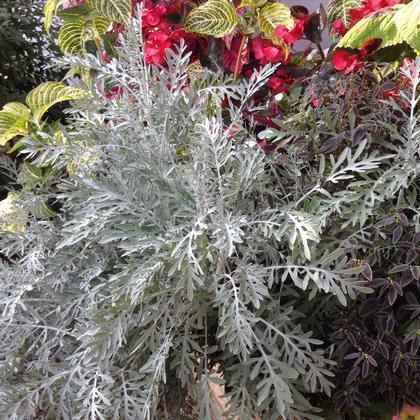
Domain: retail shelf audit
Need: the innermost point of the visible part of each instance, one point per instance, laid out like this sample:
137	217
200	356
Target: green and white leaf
215	18
73	35
48	94
115	10
271	16
339	10
14	120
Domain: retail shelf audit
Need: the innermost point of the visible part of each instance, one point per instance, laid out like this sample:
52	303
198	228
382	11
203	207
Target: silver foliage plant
175	260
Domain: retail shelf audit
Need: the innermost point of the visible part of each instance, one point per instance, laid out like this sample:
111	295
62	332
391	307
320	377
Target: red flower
152	16
156	45
339	28
115	92
343	61
266	52
292	35
277	85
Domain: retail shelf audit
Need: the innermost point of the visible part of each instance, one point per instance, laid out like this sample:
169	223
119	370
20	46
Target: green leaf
14	120
339	10
382	26
74	34
50	9
115	10
48	94
215	18
271	16
402	24
78	13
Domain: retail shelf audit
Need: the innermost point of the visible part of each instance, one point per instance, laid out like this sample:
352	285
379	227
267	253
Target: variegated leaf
115	10
215	18
48	94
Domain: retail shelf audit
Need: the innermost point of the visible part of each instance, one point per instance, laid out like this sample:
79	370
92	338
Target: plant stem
99	48
242	47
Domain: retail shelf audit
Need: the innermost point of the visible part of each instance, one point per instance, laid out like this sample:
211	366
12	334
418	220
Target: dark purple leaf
371	360
360	400
405	281
352	356
331	144
415	271
392	295
385	222
387	375
398	268
396	235
396	363
352	339
352	375
397	288
365	369
416	238
377	282
383	348
411	298
403	218
368	307
411	256
299	11
367	272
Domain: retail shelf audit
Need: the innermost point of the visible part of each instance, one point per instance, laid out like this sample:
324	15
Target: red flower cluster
266	52
159	34
346	62
339	28
290	36
370	6
280	82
